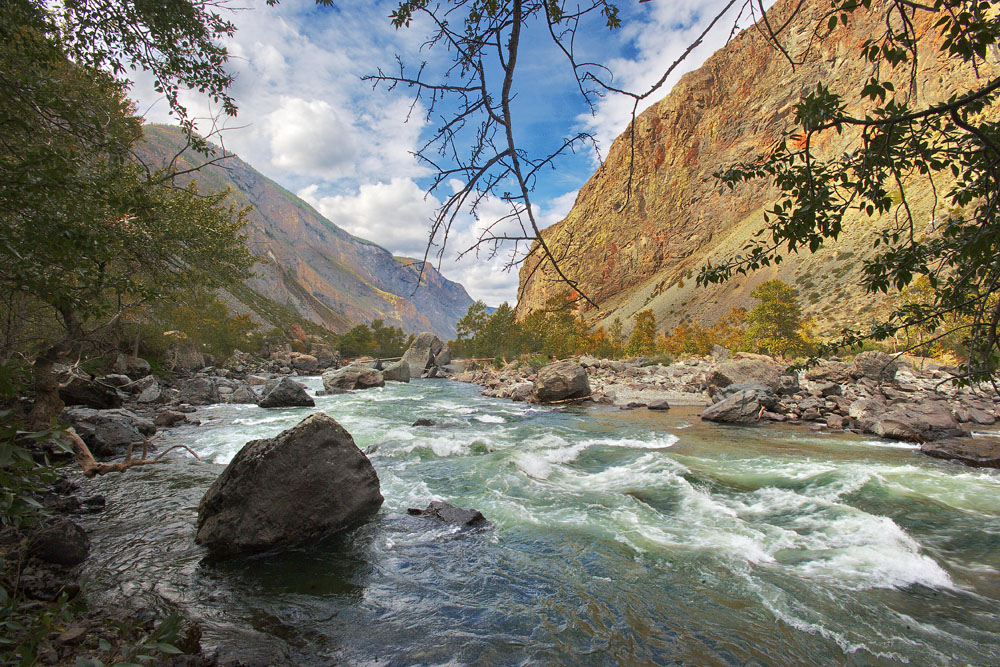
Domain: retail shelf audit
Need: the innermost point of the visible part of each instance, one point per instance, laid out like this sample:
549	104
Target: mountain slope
642	251
312	266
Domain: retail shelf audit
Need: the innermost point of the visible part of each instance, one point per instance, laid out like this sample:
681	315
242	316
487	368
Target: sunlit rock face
642	248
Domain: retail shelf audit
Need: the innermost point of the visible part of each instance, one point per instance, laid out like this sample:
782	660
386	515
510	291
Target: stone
422	352
915	422
835	422
632	405
659	404
117	381
522	391
744	407
150	394
423	422
877	366
89	393
170	418
243	394
287	394
829	389
978	453
971	415
198	391
787	385
829	371
59	541
588	361
757	369
305	363
443	357
561	381
355	376
134	367
397	372
107	432
304	484
448	513
185	358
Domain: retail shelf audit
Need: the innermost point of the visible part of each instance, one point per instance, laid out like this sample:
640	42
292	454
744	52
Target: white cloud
312	138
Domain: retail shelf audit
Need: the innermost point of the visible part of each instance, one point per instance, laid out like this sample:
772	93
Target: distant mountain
642	250
310	265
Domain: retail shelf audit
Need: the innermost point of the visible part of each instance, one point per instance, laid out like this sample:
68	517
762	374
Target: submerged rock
305	483
287	394
448	513
560	381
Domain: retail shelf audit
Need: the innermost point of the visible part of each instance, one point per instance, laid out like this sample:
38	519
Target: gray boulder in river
355	376
397	372
561	381
743	407
305	483
422	352
287	394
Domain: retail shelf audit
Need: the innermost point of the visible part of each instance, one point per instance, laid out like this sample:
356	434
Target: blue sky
308	121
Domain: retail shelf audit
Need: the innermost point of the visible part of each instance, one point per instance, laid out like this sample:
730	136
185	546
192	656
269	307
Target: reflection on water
618	536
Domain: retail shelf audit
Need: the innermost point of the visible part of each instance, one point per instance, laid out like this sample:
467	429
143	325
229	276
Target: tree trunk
47	405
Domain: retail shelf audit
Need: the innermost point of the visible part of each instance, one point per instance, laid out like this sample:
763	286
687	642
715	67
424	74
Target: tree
774	324
388	341
643	338
616	335
469	328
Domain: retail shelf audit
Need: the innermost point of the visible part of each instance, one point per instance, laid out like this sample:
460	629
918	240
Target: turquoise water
619	537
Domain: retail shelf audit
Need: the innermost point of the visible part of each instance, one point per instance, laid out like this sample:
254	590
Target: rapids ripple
618	537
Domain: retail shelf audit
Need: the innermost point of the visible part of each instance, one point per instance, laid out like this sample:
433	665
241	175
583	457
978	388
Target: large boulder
355	376
829	371
198	391
979	453
305	483
305	363
561	381
59	541
134	367
185	358
877	366
916	422
107	432
422	352
397	372
287	394
757	369
743	407
91	393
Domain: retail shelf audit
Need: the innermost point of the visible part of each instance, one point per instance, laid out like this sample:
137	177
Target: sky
308	121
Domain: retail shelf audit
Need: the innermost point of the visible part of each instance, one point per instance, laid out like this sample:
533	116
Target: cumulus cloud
313	138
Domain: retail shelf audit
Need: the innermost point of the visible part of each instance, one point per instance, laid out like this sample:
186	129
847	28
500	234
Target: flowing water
618	537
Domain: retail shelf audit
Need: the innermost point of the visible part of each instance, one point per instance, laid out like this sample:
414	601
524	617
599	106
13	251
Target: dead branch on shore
91	467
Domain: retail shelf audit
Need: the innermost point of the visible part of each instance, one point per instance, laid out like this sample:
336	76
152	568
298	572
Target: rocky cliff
642	249
312	266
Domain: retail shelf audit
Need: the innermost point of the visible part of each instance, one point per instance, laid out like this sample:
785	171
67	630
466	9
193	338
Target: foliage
774	325
900	142
200	318
376	340
22	476
643	338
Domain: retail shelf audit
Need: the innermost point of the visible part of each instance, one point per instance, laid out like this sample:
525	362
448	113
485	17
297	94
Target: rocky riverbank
871	394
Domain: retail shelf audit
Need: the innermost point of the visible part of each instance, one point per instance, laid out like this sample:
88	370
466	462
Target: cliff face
309	264
642	251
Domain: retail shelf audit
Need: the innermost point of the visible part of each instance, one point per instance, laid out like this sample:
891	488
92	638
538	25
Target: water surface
629	537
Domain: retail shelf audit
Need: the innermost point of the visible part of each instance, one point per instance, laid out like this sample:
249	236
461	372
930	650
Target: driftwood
91	467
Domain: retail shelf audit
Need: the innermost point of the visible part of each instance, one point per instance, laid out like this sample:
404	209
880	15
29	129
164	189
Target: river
626	537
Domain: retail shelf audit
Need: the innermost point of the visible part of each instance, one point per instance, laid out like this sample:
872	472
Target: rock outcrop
305	483
422	353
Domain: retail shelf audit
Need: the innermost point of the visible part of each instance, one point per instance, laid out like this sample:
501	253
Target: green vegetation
774	325
374	340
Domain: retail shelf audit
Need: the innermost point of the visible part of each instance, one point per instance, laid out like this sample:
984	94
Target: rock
443	358
117	381
185	358
743	407
560	381
632	405
107	432
432	372
829	371
397	372
588	361
979	453
134	367
877	366
150	394
60	541
448	513
522	391
305	363
835	422
305	483
72	635
80	391
971	415
255	380
830	389
915	422
170	418
355	376
659	404
287	394
757	369
787	385
422	352
423	422
198	391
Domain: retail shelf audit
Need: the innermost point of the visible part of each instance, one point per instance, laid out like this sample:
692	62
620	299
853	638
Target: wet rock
448	513
979	453
89	393
835	422
198	391
107	432
60	541
397	372
916	422
632	405
877	366
287	394
744	407
305	363
659	404
422	352
561	381
305	483
243	395
423	422
355	376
